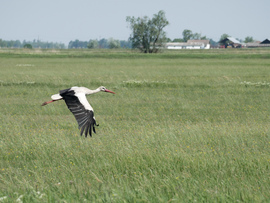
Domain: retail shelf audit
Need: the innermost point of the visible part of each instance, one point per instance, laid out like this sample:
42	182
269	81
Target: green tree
187	35
103	43
148	34
224	36
17	43
114	44
178	40
198	36
248	39
3	43
77	44
125	44
93	44
27	46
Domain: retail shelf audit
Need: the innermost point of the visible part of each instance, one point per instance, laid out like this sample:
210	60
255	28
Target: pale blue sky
66	20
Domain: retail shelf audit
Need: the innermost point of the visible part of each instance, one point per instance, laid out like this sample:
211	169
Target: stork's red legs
45	103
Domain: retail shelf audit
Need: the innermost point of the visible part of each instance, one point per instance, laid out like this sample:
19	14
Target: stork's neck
88	91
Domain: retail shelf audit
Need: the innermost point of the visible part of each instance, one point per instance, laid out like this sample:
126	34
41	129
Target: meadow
183	126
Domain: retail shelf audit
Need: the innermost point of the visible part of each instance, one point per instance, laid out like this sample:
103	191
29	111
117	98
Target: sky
66	20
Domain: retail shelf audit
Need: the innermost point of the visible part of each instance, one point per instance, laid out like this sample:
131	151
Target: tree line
76	44
99	44
105	43
31	44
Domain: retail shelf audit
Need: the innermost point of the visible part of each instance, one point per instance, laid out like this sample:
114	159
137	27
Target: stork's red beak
109	91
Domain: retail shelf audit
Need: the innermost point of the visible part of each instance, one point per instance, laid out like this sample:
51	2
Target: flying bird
75	98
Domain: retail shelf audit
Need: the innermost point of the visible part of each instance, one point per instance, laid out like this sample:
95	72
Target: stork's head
103	89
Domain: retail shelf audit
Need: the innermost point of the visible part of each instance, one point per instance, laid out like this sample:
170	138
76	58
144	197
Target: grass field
186	126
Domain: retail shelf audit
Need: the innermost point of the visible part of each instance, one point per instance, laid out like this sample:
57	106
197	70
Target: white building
190	44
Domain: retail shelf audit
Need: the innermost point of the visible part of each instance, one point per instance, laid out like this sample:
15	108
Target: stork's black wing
84	117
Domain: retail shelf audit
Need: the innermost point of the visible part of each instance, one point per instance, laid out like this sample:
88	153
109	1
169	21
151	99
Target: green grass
182	127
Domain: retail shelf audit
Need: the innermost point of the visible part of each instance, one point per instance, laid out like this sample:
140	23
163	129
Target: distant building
230	42
258	44
252	44
205	42
266	41
190	44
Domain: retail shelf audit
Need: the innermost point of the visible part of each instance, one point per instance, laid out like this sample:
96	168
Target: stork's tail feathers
56	97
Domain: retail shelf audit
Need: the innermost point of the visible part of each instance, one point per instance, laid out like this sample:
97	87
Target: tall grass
178	129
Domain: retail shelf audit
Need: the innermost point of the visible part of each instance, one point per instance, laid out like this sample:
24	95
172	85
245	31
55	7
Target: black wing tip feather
89	126
87	129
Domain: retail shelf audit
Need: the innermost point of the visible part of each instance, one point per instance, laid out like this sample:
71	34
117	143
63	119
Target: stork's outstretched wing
85	117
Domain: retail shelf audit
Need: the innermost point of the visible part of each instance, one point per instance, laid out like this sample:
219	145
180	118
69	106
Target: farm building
266	41
230	42
190	44
205	42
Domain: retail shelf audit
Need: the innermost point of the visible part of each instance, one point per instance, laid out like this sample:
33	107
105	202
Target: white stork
75	98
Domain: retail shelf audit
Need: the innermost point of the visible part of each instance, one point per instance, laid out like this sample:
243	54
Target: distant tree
248	39
11	43
17	44
178	40
113	44
93	44
108	44
3	43
196	36
240	40
224	36
204	38
125	44
187	35
213	43
78	44
27	46
148	34
34	44
103	43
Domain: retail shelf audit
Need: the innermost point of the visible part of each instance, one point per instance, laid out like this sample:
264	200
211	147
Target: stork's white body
75	98
80	93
